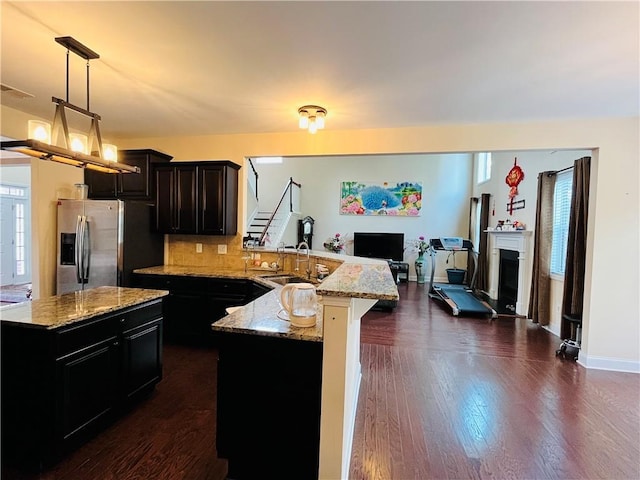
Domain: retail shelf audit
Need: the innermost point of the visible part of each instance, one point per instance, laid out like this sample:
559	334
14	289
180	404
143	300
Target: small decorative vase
420	267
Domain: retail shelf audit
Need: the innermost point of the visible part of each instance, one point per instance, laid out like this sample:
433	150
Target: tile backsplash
182	250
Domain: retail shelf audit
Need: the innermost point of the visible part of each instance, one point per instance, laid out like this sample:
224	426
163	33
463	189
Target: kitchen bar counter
61	310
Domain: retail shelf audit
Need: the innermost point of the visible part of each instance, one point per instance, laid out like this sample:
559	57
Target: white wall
15	174
446	188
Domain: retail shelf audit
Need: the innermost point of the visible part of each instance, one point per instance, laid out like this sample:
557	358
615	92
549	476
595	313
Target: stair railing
288	189
253	181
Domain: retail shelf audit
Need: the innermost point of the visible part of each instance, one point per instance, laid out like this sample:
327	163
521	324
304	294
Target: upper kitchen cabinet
197	198
218	198
127	185
176	196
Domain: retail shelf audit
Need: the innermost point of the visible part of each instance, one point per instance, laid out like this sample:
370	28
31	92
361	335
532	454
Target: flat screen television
386	246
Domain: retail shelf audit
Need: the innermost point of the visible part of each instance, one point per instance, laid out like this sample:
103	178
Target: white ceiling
176	68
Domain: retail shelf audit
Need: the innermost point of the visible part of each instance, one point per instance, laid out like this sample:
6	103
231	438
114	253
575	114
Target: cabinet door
218	198
87	388
134	185
211	190
186	198
101	185
165	199
142	358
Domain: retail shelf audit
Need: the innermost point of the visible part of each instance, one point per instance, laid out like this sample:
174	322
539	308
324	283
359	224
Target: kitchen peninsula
71	363
287	396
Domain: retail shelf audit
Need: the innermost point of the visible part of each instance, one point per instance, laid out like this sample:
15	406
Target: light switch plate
198	248
222	249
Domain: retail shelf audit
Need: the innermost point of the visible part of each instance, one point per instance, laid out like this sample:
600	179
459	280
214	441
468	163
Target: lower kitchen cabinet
194	303
268	411
61	386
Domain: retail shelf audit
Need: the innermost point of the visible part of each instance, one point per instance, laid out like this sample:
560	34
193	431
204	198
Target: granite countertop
191	271
61	310
356	278
361	280
261	317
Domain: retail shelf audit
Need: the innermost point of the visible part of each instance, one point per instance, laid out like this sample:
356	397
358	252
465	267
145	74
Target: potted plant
455	275
334	244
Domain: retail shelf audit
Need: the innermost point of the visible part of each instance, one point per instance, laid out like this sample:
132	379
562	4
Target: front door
6	241
15	255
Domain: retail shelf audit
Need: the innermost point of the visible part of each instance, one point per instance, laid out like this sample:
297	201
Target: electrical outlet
257	256
222	249
198	248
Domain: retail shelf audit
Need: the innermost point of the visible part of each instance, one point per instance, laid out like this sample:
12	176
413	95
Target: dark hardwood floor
441	397
457	398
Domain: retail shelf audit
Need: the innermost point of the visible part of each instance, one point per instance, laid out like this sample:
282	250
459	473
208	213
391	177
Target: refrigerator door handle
78	249
86	250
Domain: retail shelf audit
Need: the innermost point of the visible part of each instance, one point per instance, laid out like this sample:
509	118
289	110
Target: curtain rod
560	171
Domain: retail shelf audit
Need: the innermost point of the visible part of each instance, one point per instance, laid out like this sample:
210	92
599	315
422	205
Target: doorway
15	233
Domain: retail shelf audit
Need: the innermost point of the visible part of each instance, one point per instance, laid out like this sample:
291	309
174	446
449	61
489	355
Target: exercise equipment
461	299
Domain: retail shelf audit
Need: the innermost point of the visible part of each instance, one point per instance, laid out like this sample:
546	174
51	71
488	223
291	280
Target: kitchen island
72	363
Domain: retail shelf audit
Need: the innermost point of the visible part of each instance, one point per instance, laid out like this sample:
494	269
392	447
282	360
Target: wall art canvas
401	199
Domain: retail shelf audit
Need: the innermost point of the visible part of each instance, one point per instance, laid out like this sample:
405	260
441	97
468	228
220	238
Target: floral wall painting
401	199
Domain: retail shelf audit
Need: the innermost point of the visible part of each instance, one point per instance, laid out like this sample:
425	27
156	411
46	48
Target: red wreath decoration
513	178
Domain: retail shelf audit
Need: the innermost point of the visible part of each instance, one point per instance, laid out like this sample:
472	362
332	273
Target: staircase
270	228
276	229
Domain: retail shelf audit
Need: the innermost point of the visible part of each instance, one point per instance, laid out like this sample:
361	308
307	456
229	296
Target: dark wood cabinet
141	358
286	376
194	303
136	186
62	386
197	198
176	197
218	198
86	389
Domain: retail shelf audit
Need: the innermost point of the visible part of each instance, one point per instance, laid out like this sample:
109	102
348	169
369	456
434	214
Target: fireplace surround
518	243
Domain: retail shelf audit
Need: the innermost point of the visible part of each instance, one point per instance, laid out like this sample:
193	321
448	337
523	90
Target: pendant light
78	149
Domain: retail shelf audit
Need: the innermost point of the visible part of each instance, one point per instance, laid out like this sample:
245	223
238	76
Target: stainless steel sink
284	279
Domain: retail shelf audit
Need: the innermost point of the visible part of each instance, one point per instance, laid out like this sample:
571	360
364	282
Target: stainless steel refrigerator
100	242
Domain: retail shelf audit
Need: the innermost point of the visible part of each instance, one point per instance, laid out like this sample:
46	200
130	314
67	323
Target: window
484	166
267	160
19	239
561	211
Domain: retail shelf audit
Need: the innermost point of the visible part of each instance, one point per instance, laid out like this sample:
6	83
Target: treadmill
460	299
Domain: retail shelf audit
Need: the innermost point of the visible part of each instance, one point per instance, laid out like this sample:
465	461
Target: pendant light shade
39	130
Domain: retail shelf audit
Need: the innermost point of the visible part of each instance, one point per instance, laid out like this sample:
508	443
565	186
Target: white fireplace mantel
518	241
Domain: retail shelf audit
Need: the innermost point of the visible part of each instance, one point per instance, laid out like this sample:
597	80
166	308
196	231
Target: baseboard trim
552	331
610	364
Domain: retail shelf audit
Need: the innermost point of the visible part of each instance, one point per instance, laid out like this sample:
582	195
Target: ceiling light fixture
78	149
312	117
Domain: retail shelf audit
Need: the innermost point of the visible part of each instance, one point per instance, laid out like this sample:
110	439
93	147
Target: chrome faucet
298	261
